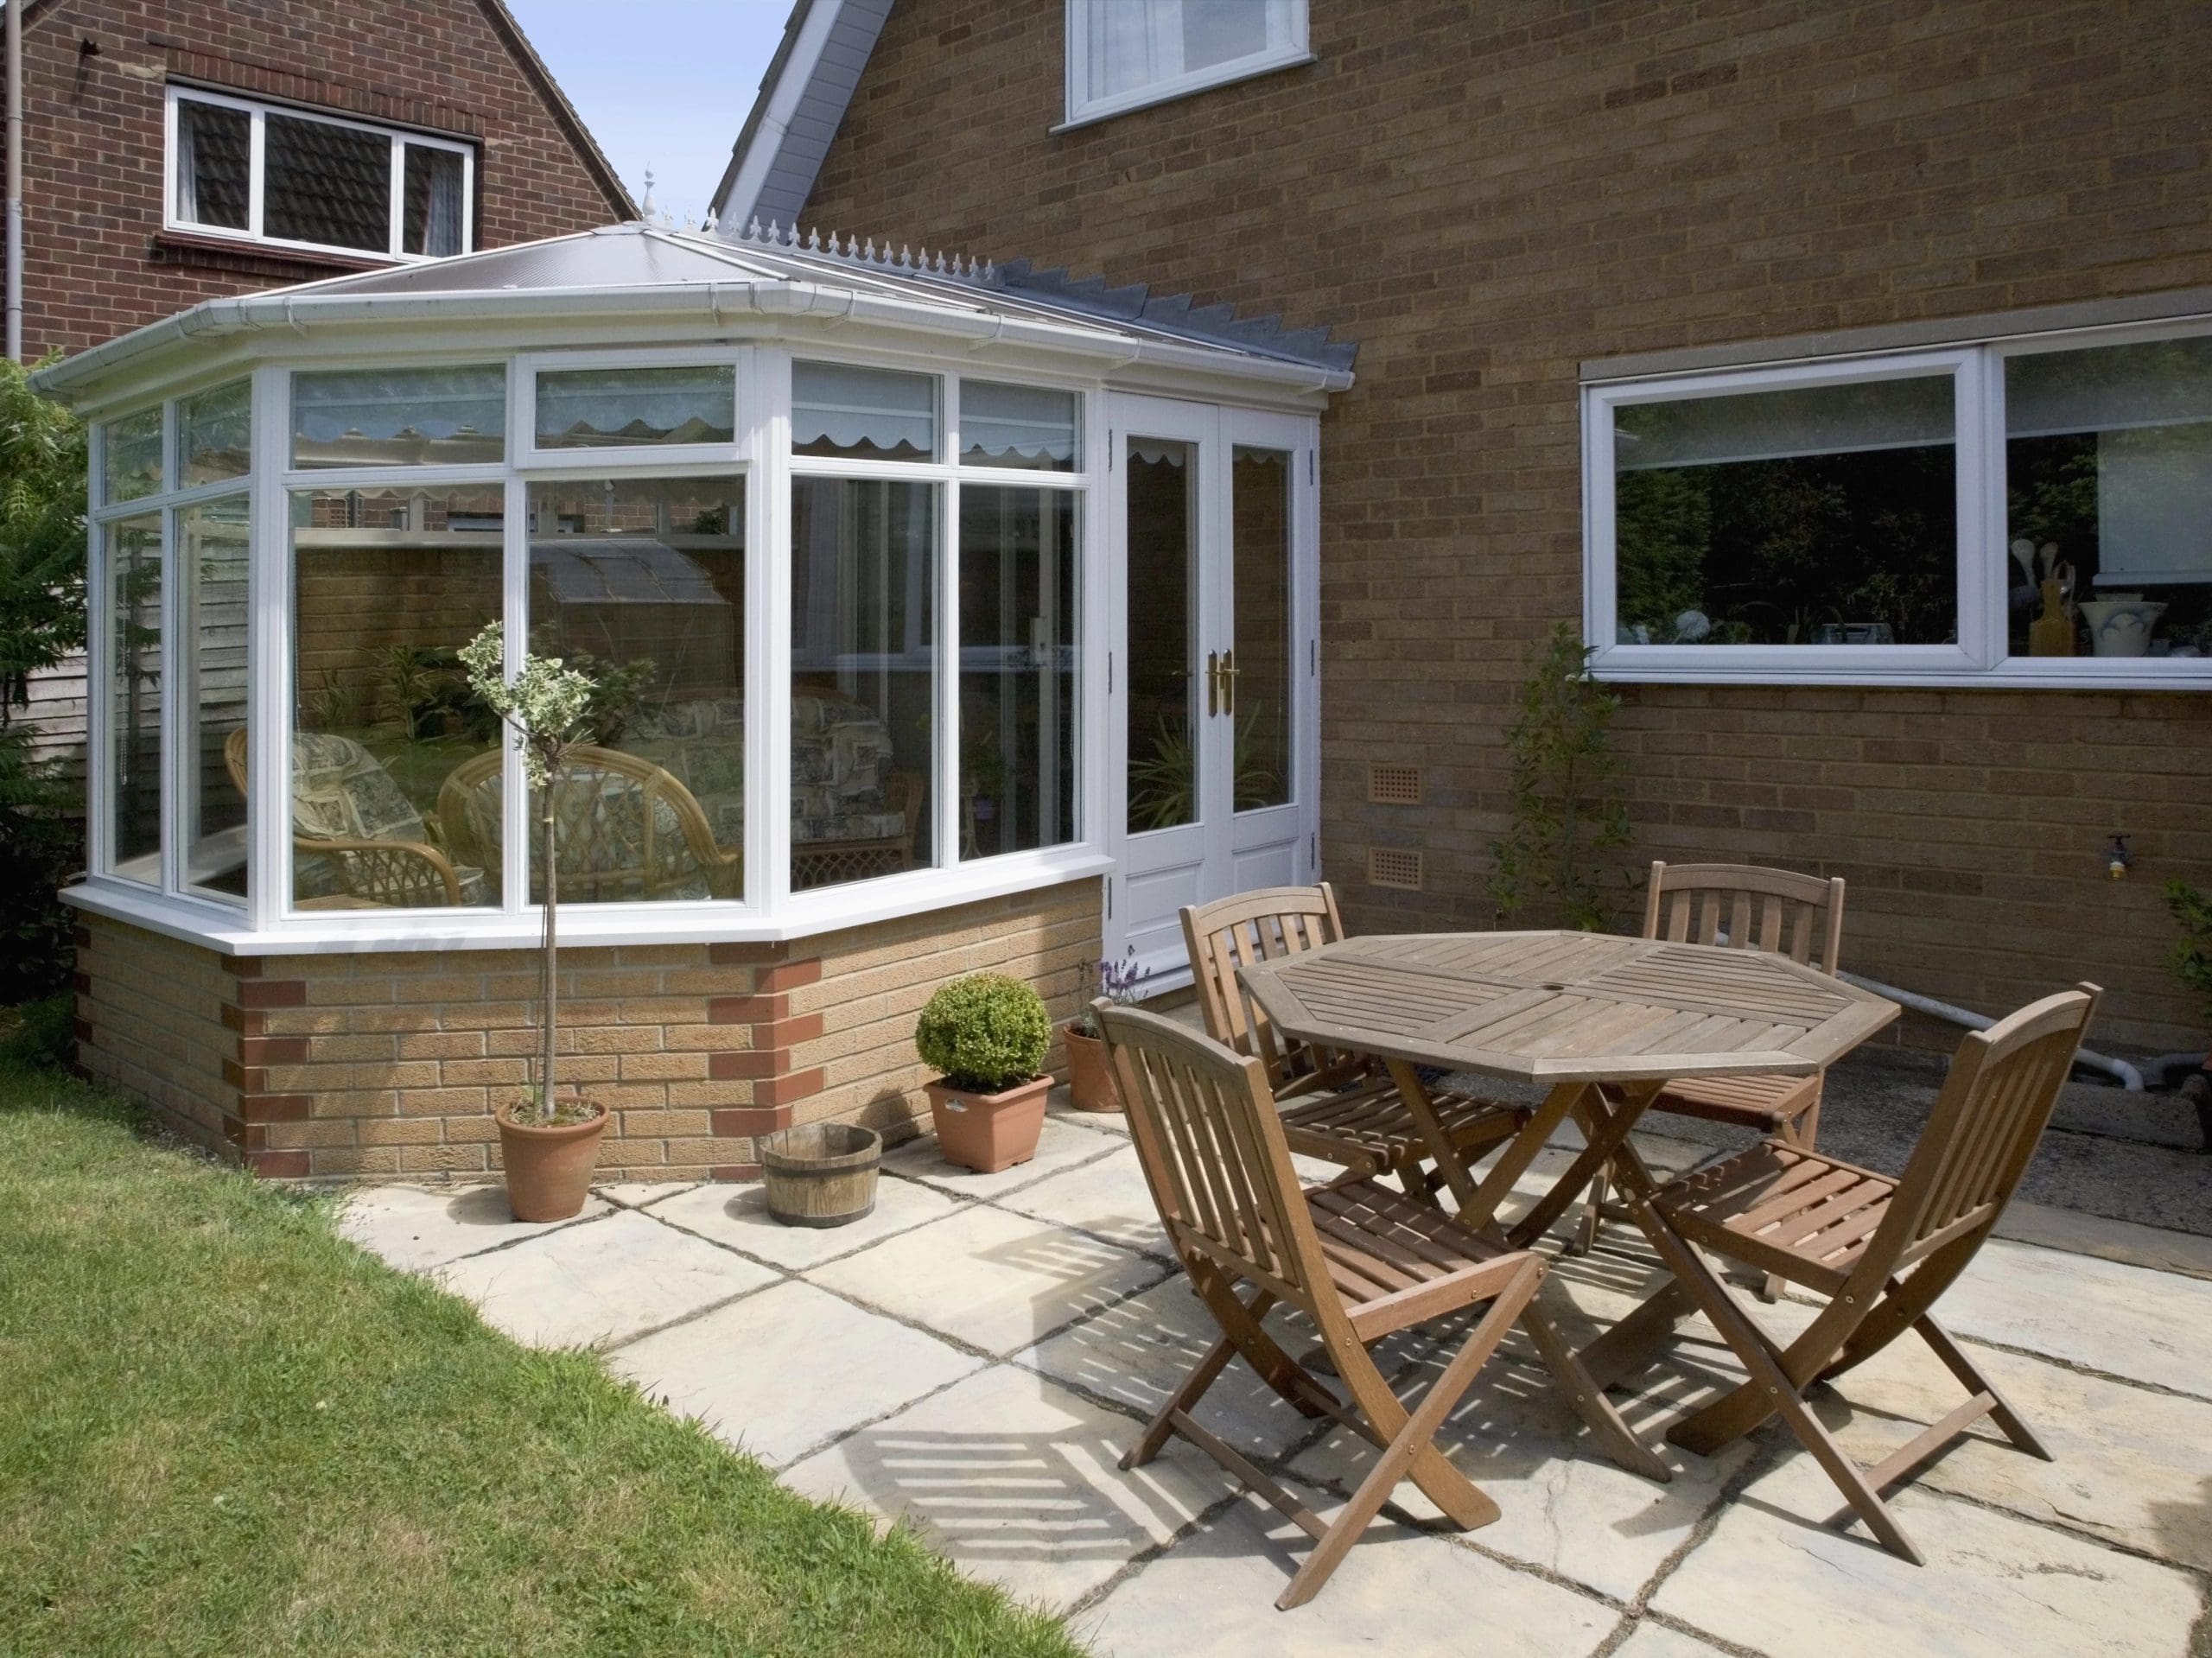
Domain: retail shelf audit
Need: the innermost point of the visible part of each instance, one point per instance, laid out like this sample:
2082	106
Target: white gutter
712	302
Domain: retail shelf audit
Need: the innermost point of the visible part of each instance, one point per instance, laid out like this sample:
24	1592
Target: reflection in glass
1816	515
1024	426
132	450
1163	673
636	408
214	150
863	414
134	654
640	583
1261	701
214	434
1017	587
212	558
325	183
430	205
2108	498
864	678
387	585
401	417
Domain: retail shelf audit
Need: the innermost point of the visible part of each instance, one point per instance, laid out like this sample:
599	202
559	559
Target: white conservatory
911	586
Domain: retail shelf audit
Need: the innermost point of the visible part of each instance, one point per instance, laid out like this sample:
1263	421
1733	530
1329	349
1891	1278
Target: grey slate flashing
1175	313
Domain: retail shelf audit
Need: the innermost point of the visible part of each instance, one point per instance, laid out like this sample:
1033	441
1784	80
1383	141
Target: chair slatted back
1987	1122
1751	907
1213	1153
1262	925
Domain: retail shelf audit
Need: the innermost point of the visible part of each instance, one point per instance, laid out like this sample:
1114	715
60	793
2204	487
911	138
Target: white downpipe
15	228
2128	1077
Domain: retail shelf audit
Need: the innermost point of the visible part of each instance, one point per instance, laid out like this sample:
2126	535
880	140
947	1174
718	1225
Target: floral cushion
841	763
339	792
599	838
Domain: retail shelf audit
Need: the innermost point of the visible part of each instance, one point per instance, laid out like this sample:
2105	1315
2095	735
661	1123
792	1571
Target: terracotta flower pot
988	1132
1090	1079
548	1168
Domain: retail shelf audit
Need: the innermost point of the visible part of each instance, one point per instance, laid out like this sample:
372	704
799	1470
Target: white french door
1213	753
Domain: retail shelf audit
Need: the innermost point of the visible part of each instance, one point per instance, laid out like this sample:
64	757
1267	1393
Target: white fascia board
779	106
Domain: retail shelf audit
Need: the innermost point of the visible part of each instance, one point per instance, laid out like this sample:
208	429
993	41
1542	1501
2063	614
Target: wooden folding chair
1341	1107
1747	907
1881	1249
1359	1260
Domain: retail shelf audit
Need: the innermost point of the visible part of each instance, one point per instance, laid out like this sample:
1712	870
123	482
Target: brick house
140	194
1951	265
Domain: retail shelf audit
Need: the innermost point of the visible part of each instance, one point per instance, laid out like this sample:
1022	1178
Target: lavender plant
1118	983
546	704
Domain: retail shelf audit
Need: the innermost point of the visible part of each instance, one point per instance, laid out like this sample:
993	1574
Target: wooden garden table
1605	1021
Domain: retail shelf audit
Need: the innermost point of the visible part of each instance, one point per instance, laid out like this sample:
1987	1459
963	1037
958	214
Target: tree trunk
552	979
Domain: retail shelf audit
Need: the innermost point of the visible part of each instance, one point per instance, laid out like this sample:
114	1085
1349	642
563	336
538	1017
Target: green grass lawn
223	1429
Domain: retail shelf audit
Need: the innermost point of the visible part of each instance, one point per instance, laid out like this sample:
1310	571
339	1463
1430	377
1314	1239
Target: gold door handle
1228	682
1213	682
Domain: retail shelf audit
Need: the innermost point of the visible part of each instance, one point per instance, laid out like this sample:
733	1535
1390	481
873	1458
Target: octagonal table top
1566	1006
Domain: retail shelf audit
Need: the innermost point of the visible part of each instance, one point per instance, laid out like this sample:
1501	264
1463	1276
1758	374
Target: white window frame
1980	657
1081	110
253	235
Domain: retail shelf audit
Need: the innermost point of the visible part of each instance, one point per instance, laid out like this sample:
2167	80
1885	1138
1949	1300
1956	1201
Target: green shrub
985	1033
2192	955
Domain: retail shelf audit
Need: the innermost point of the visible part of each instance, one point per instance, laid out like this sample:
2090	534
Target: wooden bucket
822	1174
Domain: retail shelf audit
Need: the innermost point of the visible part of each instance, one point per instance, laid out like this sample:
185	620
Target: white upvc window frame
1082	111
256	173
269	923
1981	655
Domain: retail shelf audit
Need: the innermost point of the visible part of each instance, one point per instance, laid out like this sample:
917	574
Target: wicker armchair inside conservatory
356	843
624	828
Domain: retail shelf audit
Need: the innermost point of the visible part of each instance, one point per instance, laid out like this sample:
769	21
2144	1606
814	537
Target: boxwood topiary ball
984	1032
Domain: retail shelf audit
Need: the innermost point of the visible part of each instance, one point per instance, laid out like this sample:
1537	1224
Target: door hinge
1312	852
1313	464
1109	673
1109	448
1109	898
1312	658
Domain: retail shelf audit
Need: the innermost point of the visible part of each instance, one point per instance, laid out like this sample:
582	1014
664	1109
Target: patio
974	1357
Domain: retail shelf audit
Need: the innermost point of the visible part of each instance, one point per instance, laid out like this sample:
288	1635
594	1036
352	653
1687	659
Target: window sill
2077	674
807	915
174	246
1189	87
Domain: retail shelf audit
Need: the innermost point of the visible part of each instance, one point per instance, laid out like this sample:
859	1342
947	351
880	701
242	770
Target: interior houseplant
547	1145
986	1035
1090	1079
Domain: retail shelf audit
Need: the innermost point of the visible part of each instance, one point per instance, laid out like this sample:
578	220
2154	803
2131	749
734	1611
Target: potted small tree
547	1146
1090	1079
986	1035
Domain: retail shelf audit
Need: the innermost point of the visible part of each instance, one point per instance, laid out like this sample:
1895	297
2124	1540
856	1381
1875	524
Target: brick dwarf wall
1486	196
98	262
391	1063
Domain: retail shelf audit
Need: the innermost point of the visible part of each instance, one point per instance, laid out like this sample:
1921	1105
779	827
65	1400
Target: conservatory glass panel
387	585
214	434
211	565
864	667
1260	693
1019	585
1022	426
134	654
640	583
636	408
863	414
1814	515
132	448
401	417
2108	500
1163	709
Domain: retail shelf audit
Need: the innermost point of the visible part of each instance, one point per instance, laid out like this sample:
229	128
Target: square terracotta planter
988	1132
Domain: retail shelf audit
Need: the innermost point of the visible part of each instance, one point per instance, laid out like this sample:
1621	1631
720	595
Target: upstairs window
1122	55
266	173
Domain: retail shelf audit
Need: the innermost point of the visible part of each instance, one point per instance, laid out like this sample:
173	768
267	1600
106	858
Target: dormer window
269	173
1123	54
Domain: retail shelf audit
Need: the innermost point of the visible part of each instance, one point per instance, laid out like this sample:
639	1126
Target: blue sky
662	84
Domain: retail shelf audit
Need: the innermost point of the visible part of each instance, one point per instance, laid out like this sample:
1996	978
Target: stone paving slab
992	1281
2125	1321
1649	1640
417	1228
1108	1197
600	1282
1398	1592
1565	1507
738	1216
1062	1145
1773	1578
643	1194
1014	1480
778	1373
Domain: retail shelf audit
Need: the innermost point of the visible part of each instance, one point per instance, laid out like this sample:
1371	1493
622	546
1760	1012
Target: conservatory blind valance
1016	426
1155	451
836	409
624	408
1843	419
370	417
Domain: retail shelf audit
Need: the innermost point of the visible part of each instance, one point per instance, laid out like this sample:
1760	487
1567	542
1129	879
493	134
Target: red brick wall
96	263
1484	196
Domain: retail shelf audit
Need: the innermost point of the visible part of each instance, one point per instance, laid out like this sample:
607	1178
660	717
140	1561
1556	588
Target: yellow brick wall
150	1022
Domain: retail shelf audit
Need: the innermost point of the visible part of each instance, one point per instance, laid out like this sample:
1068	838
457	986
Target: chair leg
1410	1450
1971	1378
1764	1361
1241	1333
1593	1217
1589	1399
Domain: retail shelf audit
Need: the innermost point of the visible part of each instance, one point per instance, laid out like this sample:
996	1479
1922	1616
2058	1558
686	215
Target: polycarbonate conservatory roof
638	270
